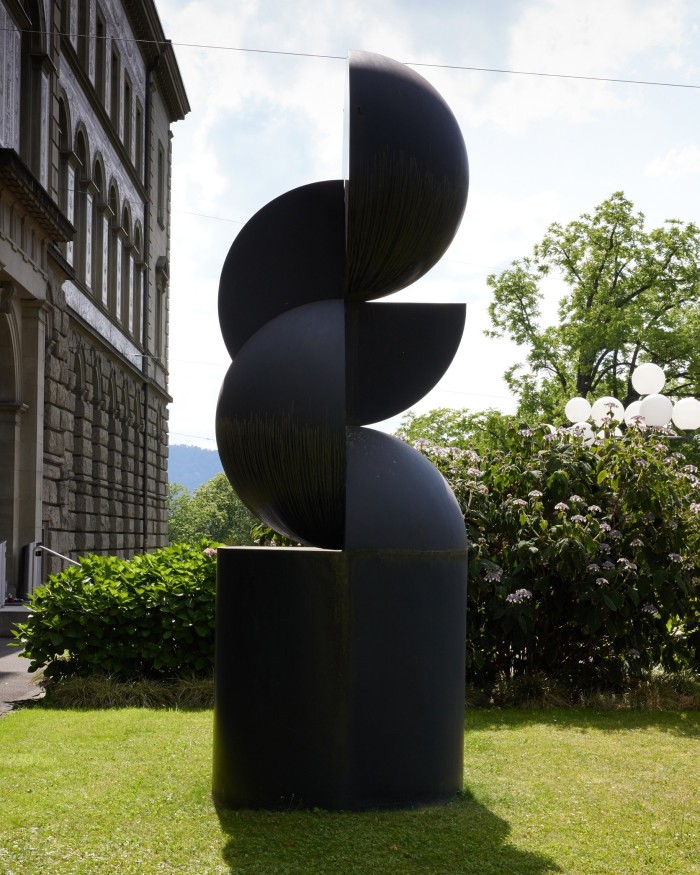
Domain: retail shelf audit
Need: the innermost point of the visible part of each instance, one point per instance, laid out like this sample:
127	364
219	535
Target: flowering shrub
152	615
584	560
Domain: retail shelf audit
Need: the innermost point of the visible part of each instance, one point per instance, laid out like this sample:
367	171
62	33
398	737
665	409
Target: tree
632	297
213	511
445	427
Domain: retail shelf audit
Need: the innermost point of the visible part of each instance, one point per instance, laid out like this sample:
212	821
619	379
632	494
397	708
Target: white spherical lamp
584	431
648	379
604	433
686	414
577	410
656	409
632	412
607	410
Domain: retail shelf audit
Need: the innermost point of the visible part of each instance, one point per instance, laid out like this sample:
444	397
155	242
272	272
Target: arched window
136	308
115	258
64	141
98	232
83	211
66	172
127	273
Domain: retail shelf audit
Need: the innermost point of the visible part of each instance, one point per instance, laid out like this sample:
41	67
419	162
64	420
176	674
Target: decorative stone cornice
18	13
156	48
18	178
65	270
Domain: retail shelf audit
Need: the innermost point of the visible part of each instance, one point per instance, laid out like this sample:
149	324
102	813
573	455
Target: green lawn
569	791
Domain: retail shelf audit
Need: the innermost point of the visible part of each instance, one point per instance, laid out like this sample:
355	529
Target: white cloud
601	38
680	161
540	150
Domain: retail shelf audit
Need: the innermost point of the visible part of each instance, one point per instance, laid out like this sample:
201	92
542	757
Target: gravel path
16	683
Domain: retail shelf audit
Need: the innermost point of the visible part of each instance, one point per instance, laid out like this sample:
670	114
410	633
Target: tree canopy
213	511
633	296
446	427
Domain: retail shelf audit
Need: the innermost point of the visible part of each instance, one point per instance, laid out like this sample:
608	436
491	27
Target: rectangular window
115	76
100	56
159	339
65	17
138	147
84	33
127	114
161	184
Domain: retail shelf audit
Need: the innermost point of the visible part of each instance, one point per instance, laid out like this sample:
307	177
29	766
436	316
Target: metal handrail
40	547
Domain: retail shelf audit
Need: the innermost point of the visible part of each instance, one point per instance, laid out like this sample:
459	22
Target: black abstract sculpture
339	671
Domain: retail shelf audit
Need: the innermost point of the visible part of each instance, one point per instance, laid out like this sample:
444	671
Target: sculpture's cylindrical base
339	677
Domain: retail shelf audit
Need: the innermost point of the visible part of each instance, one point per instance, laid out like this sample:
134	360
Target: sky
541	149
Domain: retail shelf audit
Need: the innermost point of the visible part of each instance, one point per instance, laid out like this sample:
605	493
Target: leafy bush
150	616
584	560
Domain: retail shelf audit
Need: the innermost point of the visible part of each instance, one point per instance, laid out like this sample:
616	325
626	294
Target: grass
574	791
679	691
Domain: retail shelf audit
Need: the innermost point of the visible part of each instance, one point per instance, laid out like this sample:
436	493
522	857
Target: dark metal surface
340	672
280	424
396	353
396	499
409	176
290	253
339	677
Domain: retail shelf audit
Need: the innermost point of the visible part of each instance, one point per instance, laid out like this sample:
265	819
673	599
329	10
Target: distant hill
191	466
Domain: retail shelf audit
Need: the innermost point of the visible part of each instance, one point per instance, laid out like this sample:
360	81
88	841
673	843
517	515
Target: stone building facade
89	90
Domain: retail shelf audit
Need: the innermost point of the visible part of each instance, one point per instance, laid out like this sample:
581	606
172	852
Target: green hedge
584	560
150	616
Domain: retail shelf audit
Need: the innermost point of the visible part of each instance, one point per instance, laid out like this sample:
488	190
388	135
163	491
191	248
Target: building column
11	410
31	452
10	419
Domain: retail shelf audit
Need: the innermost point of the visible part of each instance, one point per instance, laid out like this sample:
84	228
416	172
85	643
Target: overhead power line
466	67
198	437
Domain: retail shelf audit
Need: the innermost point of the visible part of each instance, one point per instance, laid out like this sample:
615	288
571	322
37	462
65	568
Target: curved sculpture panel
409	176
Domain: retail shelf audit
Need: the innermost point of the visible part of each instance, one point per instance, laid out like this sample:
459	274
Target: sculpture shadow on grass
461	838
682	724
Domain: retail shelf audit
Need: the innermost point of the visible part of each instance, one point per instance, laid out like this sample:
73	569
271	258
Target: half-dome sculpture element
282	400
314	362
408	177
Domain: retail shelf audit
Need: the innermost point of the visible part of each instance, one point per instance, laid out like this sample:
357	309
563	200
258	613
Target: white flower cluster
519	596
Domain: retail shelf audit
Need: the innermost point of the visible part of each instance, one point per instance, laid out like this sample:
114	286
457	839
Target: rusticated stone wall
105	447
